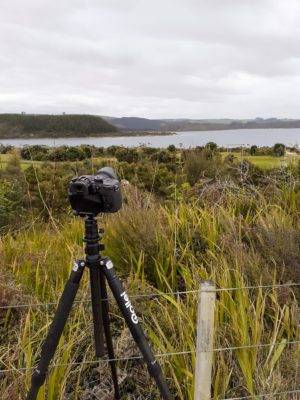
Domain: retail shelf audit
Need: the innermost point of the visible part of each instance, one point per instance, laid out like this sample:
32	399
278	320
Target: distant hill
137	124
42	125
167	125
54	126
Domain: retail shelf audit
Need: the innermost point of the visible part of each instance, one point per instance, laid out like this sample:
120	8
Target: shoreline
121	134
129	134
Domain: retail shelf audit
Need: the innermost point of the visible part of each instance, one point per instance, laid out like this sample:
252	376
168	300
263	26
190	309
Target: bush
5	149
10	204
202	164
162	156
253	150
212	146
171	148
35	152
127	154
279	150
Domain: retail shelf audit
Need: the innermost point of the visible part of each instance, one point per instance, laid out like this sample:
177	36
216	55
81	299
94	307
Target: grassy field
266	162
4	158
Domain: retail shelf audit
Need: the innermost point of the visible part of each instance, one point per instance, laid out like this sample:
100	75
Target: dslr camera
94	194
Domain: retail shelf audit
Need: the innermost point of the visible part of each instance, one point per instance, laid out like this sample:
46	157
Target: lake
226	138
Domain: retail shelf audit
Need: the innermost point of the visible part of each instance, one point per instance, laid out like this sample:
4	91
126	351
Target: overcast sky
151	58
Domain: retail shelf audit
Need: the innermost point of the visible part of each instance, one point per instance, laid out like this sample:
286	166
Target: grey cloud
168	58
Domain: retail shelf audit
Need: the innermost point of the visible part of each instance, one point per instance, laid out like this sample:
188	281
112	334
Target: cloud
168	58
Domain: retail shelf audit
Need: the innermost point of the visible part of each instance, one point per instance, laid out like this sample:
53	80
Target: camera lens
79	187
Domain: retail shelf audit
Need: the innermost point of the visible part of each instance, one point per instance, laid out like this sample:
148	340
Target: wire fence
169	354
155	295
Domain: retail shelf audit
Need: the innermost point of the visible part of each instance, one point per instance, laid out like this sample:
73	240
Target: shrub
162	156
171	148
212	146
5	149
202	165
35	152
279	150
253	150
11	204
127	154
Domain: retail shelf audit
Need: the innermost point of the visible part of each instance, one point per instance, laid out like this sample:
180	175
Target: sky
151	58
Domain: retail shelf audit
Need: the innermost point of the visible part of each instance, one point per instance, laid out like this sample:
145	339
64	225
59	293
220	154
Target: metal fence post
204	345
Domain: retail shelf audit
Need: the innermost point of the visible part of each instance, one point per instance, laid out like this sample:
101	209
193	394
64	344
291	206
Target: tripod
101	270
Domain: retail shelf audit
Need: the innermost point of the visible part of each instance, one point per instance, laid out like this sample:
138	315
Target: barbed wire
154	295
140	357
255	396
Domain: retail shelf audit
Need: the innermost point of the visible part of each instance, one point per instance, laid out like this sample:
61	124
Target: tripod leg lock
106	261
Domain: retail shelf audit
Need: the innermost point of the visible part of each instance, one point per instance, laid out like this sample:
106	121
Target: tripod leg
56	329
96	307
109	343
135	328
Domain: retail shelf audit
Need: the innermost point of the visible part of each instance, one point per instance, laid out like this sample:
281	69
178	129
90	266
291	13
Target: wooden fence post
205	336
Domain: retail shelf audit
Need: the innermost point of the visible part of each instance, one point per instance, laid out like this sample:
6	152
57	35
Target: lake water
226	138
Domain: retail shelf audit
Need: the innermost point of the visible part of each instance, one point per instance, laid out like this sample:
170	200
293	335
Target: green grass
160	249
4	158
266	162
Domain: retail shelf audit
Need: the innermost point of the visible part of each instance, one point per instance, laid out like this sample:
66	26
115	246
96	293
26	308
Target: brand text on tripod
128	305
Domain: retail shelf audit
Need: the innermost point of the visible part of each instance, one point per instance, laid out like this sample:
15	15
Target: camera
94	194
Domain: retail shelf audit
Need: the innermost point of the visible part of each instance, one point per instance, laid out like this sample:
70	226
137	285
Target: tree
279	150
253	150
172	148
212	146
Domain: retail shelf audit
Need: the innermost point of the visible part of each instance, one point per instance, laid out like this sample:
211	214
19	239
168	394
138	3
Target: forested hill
30	125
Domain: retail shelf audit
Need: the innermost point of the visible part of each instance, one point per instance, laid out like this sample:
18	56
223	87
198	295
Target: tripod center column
92	249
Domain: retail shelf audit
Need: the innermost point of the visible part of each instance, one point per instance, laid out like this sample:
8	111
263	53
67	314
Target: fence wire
155	295
175	353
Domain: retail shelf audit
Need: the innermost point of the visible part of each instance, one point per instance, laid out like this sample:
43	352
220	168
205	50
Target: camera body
94	194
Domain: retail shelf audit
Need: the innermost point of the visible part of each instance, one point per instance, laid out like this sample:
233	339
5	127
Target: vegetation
23	125
68	125
188	215
279	149
166	125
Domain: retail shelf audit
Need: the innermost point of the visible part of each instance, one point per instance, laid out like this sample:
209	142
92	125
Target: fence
205	337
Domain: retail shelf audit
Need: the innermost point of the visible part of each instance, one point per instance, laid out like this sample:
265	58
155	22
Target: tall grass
227	235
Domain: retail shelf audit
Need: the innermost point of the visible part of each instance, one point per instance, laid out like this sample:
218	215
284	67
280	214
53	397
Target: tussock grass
235	238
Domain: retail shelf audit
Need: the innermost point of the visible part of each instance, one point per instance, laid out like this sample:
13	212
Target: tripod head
92	235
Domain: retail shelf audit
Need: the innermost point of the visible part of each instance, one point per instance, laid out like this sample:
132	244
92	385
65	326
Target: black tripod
101	269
